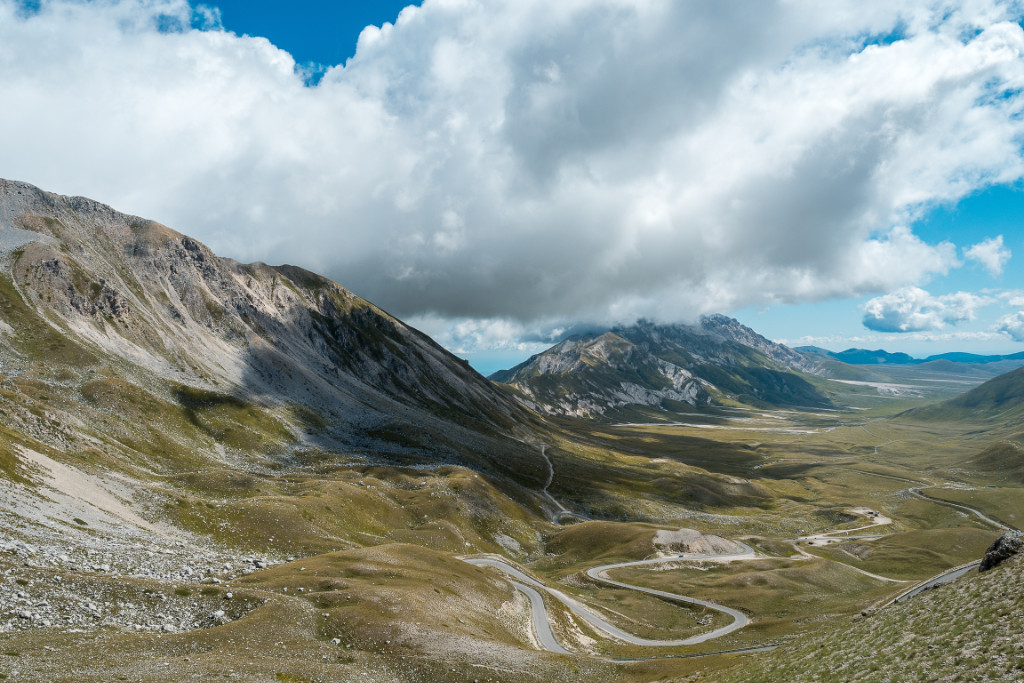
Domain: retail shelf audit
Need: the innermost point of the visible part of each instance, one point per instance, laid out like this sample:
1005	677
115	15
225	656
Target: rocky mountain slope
111	305
653	368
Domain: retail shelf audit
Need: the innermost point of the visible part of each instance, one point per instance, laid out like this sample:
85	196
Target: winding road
533	589
542	625
560	510
954	573
999	525
939	579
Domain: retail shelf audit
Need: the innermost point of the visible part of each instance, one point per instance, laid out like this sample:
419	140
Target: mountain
865	357
124	312
975	358
882	357
648	368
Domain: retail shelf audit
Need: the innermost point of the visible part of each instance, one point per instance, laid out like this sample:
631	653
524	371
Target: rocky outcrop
597	375
1003	548
693	541
731	329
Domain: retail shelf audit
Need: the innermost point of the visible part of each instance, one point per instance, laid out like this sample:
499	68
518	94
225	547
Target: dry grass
969	631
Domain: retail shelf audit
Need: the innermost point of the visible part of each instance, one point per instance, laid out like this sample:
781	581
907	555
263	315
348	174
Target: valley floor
736	546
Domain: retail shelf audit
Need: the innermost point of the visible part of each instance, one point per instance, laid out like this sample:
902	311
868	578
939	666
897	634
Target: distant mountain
974	358
882	357
649	368
862	356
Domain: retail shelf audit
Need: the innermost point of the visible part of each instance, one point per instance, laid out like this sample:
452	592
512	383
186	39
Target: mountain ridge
1000	398
855	356
155	306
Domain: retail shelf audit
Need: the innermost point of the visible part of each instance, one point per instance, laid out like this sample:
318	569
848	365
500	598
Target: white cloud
468	335
522	160
991	254
1012	325
912	309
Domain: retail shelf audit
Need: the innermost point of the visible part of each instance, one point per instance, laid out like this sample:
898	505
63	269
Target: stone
1004	547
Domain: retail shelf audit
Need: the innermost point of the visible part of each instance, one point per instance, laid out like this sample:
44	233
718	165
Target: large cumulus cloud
912	309
527	163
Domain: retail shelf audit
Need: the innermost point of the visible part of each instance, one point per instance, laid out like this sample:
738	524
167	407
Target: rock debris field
135	588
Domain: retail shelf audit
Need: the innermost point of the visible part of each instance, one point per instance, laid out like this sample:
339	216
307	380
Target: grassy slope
969	631
915	555
998	401
782	595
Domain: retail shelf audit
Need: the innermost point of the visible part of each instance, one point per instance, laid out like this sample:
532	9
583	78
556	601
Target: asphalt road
945	577
739	620
542	625
950	574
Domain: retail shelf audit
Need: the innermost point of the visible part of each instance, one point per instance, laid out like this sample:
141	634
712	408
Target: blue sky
312	31
498	172
838	324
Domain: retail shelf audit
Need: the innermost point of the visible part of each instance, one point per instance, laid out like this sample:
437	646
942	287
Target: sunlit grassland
781	596
775	475
1003	504
811	469
380	543
912	555
449	509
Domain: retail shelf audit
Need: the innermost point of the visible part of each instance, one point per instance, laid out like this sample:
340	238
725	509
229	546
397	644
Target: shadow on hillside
382	418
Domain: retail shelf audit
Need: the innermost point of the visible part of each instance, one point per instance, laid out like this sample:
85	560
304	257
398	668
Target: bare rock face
731	329
694	542
1004	547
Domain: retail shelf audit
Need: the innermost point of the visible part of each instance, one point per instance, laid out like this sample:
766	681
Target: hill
999	400
647	368
964	631
174	421
876	357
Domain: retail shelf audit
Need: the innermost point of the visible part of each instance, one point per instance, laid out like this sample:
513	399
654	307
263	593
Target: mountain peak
653	367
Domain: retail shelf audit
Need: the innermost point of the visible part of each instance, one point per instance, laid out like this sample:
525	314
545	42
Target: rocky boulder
1006	546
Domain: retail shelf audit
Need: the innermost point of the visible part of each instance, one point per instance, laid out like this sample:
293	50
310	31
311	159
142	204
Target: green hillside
999	400
969	631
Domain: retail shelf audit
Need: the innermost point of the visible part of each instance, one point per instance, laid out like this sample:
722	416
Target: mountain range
882	357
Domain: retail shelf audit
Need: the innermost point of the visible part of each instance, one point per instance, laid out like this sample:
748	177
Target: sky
501	172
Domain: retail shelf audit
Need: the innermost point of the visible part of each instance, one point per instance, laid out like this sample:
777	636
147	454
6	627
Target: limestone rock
1004	547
